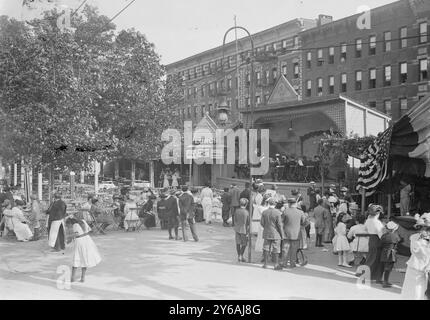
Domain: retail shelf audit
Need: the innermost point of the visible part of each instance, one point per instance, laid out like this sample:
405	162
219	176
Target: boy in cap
389	243
241	218
273	233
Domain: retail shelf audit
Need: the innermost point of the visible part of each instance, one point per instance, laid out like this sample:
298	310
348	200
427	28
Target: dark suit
57	211
225	200
272	232
187	213
292	220
235	198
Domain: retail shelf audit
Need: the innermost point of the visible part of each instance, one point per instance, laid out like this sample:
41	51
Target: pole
96	177
363	200
39	185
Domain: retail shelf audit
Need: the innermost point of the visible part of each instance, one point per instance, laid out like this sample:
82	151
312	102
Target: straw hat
392	226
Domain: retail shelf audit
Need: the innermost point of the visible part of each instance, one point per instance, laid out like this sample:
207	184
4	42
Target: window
248	79
320	57
284	70
257	100
387	107
269	47
266	97
190	92
296	41
387	41
331	55
308	88
372	45
372	104
343	52
403	37
189	112
248	101
358	48
258	76
236	103
284	44
403	72
296	70
320	86
423	32
331	84
229	84
267	75
403	105
202	90
275	74
203	110
343	82
229	102
372	78
195	72
387	76
195	92
358	78
236	81
423	70
196	111
309	60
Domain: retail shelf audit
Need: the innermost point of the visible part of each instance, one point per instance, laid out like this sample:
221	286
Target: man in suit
292	219
312	196
56	224
226	201
321	214
272	233
241	217
235	198
186	207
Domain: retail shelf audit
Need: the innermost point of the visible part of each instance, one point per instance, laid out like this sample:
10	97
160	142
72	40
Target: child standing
85	253
389	243
340	241
241	219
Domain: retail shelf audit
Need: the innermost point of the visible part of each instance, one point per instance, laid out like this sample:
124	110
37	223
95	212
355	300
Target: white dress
131	217
416	277
359	244
86	254
340	242
206	196
166	181
256	225
15	221
175	177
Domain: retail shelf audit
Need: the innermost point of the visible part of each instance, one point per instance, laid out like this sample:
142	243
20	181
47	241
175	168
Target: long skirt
207	209
373	260
260	240
22	231
85	253
404	206
414	285
57	235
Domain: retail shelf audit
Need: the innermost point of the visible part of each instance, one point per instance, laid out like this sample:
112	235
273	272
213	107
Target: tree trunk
51	183
133	172
116	169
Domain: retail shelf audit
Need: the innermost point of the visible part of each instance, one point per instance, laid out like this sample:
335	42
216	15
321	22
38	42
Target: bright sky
181	28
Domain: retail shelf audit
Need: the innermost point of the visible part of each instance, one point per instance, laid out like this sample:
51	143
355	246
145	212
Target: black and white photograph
223	151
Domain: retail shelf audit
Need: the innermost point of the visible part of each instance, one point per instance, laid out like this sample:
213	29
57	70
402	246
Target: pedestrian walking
321	214
226	201
375	229
312	196
241	228
85	252
273	233
235	198
415	284
187	214
207	196
389	242
292	220
56	223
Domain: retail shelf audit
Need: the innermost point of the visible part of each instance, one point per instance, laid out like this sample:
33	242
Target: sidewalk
146	265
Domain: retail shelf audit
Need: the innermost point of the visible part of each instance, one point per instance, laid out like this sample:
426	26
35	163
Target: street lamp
251	120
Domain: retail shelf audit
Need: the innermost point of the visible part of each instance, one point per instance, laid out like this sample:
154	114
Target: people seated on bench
103	219
16	221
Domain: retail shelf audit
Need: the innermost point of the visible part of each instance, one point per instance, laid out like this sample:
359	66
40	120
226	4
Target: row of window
387	78
270	77
387	41
230	61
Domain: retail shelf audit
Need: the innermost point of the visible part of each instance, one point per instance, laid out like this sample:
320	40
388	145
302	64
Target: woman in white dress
85	252
131	215
340	241
166	183
206	196
175	178
259	208
16	221
417	272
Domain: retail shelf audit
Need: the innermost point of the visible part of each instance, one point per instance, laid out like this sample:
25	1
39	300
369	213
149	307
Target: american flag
374	163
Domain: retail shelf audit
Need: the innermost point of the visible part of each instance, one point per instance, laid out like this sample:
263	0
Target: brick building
385	67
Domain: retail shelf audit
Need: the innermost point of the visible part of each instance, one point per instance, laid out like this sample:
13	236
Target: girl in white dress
340	241
175	178
85	253
166	183
131	219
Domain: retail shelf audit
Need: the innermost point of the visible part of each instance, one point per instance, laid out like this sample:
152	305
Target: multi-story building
220	75
384	67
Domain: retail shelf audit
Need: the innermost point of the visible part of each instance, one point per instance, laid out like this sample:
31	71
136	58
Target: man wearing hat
56	223
186	212
272	233
389	242
292	220
172	213
312	196
332	190
234	200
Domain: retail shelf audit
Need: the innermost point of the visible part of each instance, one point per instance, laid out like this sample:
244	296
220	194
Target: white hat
392	226
332	199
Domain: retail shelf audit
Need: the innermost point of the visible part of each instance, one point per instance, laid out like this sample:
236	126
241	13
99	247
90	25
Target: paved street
145	265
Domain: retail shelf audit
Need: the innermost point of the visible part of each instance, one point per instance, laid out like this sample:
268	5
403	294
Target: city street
145	265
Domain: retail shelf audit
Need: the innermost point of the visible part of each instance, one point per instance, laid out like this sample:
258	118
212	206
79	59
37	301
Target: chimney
323	19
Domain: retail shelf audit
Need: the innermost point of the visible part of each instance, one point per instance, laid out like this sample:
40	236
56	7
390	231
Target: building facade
384	67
